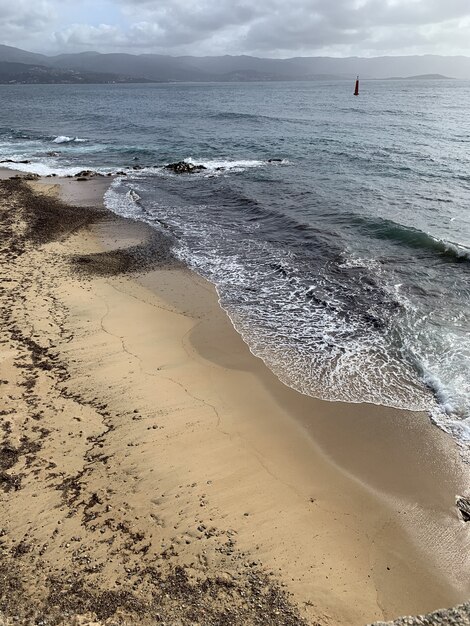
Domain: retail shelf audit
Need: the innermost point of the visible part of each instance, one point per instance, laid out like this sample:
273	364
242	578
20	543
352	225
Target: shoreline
336	501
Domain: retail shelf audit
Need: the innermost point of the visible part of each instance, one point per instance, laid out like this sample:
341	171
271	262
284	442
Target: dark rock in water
459	616
184	168
137	167
17	162
89	173
274	160
84	173
53	154
463	505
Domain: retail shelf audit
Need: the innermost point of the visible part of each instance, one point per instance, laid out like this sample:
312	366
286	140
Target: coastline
352	507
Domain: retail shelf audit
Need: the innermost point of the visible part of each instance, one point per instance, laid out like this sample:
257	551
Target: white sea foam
121	203
133	195
236	164
43	168
65	139
226	164
458	250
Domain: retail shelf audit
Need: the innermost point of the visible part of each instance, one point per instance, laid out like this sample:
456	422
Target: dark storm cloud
272	27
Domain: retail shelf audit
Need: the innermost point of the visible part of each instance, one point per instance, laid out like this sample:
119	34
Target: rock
463	505
274	160
27	177
84	173
82	179
459	616
53	154
17	162
184	168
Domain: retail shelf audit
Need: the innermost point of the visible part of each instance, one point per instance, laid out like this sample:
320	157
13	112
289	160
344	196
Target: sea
335	228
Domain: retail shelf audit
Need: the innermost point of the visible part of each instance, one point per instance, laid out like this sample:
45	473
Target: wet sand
147	444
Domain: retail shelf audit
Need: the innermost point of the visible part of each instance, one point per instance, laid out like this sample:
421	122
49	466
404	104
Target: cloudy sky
276	28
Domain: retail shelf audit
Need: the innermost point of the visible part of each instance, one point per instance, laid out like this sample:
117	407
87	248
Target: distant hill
25	73
15	55
119	67
422	77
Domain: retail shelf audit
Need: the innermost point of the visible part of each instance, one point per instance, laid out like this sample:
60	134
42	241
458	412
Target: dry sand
153	466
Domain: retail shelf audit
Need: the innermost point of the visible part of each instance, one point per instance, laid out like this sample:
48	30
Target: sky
268	28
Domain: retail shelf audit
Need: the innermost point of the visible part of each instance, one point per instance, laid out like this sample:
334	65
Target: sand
155	466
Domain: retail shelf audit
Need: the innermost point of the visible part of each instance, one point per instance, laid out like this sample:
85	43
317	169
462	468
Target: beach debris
463	505
182	167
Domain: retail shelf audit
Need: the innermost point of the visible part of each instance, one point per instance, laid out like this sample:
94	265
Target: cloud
268	28
24	16
87	36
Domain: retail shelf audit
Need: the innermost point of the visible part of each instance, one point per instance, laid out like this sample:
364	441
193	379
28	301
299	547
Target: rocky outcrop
182	167
463	505
459	616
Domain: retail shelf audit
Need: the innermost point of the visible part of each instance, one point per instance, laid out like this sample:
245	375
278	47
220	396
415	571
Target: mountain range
20	66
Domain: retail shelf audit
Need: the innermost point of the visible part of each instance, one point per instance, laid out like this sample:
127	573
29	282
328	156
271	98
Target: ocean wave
410	236
65	139
233	115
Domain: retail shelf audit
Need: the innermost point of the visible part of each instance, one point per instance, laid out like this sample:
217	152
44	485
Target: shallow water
345	264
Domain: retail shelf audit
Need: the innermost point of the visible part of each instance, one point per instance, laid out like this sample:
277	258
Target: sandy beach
155	471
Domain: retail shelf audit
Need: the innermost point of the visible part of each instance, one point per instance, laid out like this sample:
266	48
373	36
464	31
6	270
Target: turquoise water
344	263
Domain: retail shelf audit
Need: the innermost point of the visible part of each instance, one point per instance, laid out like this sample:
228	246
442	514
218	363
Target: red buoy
356	91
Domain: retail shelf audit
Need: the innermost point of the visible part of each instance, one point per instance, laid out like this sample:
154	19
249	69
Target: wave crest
65	139
411	237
